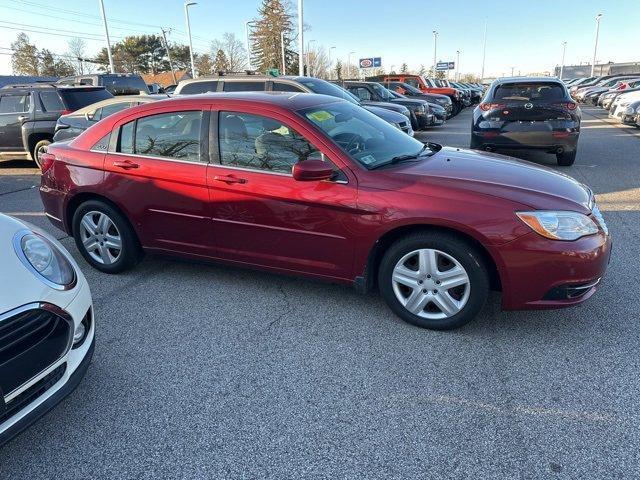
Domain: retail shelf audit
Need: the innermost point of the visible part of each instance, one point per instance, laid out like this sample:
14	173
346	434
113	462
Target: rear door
156	168
14	111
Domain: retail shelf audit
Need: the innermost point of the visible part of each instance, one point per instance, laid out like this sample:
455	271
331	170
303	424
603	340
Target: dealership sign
445	65
372	62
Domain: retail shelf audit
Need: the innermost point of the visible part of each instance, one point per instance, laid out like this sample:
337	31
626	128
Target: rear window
199	87
530	92
76	99
124	85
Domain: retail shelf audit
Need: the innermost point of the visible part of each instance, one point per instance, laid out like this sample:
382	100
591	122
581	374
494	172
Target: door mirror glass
312	169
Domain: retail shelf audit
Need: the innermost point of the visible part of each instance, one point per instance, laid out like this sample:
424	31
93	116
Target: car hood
386	114
519	181
389	106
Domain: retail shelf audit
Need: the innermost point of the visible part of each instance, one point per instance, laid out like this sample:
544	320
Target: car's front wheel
104	237
434	280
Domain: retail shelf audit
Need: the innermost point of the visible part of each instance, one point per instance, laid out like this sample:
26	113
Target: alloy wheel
431	284
100	237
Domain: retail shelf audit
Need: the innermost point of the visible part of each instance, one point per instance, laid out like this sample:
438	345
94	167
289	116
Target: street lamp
564	50
435	47
349	63
330	64
106	33
595	47
458	66
484	50
391	68
284	59
309	57
247	43
186	15
300	40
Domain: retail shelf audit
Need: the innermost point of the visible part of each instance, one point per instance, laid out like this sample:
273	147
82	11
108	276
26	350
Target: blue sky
525	35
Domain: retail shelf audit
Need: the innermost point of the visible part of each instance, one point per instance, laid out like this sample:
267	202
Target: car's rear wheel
105	237
566	159
434	280
39	149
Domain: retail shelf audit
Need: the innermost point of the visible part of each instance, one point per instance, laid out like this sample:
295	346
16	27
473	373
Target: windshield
363	136
409	88
325	88
383	92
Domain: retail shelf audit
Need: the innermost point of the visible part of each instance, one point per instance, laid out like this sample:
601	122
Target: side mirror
88	116
312	169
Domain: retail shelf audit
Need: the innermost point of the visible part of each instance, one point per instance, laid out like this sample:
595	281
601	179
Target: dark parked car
439	113
316	186
528	113
421	116
116	83
412	92
28	115
267	83
73	124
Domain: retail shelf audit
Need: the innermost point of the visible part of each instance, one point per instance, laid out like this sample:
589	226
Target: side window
107	110
103	144
199	87
362	93
285	87
256	86
14	103
169	135
51	101
411	81
86	81
260	143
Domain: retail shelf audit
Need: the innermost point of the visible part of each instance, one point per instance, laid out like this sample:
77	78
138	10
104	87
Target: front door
14	110
261	215
157	168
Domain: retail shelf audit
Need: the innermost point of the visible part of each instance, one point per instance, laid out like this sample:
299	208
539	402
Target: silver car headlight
44	259
561	225
422	109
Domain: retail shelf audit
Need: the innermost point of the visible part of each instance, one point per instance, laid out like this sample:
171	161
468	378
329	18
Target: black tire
130	253
462	251
38	148
566	159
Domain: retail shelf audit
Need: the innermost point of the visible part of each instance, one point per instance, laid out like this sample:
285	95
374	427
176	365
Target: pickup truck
28	115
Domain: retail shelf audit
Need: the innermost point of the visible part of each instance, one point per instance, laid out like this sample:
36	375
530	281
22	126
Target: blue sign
445	65
371	62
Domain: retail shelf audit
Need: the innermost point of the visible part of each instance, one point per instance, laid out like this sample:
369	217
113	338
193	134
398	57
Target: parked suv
528	113
116	83
413	92
267	83
28	115
421	116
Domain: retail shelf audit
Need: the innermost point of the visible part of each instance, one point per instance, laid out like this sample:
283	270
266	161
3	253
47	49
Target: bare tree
77	49
234	52
318	59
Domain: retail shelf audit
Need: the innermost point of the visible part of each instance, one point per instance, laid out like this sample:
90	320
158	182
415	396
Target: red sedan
312	185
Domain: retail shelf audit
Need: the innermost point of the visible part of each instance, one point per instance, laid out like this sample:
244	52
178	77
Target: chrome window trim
56	311
152	157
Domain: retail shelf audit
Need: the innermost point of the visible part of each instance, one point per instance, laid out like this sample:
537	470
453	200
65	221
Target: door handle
125	164
229	179
22	118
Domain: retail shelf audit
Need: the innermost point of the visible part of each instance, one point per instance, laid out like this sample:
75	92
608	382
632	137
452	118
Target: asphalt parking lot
205	371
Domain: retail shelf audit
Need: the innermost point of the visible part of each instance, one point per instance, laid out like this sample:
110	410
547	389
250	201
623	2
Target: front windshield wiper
434	147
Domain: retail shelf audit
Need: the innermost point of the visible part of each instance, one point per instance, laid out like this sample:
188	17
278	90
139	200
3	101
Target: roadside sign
274	72
371	62
445	65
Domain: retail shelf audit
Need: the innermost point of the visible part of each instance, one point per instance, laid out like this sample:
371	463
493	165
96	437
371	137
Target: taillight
46	161
66	112
485	107
571	106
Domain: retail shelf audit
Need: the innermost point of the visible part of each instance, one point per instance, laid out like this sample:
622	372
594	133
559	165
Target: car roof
526	80
121	99
51	86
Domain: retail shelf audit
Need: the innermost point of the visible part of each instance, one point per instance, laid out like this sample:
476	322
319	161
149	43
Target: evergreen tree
266	48
422	70
24	59
203	64
220	64
50	67
404	68
339	70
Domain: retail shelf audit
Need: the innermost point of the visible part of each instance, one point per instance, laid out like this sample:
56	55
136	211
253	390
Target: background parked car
28	115
412	92
440	115
46	325
73	124
116	83
262	83
528	113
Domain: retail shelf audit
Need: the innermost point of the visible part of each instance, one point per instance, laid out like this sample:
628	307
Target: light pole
330	64
595	46
284	59
458	66
484	50
247	43
349	63
106	33
512	71
309	69
166	46
300	40
391	68
564	50
435	48
186	15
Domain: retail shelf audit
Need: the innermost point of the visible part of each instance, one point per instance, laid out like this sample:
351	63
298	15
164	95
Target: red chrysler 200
313	185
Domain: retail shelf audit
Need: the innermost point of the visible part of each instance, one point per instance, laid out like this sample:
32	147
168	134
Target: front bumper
541	270
73	364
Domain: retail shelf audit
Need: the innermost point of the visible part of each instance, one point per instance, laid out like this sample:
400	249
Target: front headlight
638	110
559	225
629	111
397	125
44	260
